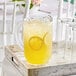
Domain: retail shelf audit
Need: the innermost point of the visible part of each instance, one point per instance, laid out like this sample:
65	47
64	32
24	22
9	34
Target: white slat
14	17
4	22
68	10
11	3
60	10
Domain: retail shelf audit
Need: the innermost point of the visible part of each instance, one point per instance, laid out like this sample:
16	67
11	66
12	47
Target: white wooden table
18	66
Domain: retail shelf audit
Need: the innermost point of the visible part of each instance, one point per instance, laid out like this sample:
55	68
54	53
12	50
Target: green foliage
72	1
31	5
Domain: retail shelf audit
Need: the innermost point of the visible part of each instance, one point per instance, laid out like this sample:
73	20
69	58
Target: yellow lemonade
37	38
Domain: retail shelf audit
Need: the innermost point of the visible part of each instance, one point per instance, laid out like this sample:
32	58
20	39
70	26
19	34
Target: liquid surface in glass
37	38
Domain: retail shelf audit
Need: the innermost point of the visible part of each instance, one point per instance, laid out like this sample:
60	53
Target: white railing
7	37
13	17
65	14
70	9
66	27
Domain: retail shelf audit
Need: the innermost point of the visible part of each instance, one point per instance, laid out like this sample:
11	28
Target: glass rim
43	18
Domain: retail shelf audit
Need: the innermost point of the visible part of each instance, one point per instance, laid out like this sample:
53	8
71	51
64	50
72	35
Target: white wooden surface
57	65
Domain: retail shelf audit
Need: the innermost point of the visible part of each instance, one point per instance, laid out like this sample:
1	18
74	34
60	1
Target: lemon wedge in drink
36	42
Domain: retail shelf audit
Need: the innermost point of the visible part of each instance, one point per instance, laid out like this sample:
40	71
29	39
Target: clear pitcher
37	38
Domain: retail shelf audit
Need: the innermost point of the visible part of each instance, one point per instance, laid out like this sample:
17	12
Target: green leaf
66	0
31	5
72	1
23	5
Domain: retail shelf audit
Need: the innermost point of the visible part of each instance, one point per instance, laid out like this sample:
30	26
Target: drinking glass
37	39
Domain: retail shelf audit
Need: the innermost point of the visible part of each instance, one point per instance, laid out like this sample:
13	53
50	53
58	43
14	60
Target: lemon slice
35	42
